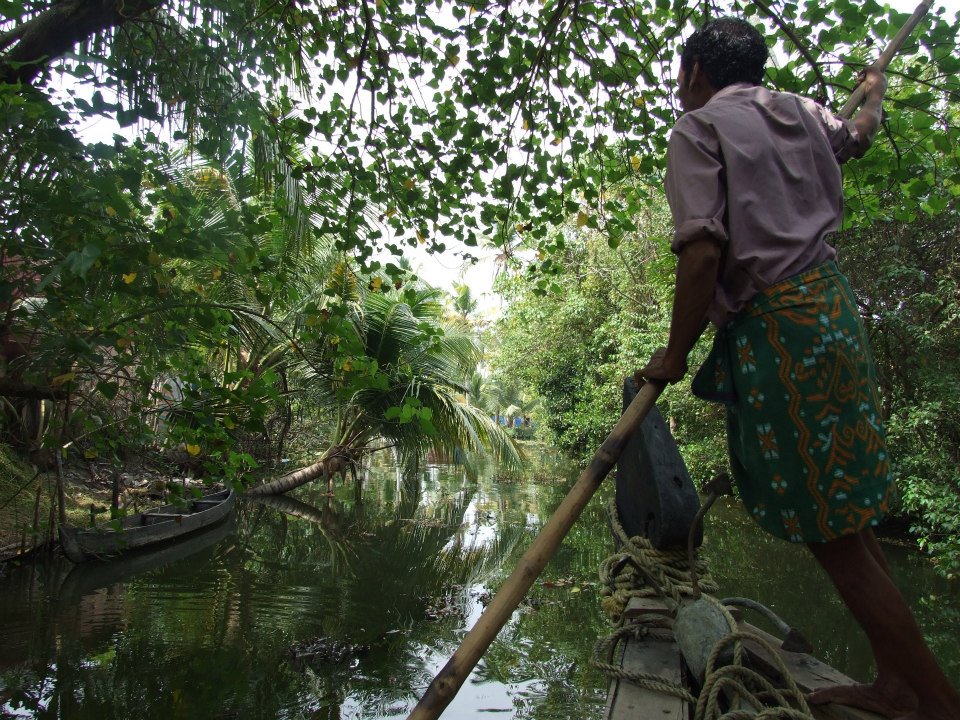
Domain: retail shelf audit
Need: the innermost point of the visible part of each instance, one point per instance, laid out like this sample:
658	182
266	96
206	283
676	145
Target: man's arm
867	120
697	270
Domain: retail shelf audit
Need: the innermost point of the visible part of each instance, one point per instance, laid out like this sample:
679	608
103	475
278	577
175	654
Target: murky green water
383	590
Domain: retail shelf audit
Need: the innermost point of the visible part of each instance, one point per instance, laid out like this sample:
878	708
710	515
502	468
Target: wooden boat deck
627	701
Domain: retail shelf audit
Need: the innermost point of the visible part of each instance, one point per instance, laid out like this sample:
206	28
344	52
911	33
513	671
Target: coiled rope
730	690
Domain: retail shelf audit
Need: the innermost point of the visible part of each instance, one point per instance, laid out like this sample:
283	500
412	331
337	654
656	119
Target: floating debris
321	650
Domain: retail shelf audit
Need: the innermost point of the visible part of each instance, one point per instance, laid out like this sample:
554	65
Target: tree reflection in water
402	573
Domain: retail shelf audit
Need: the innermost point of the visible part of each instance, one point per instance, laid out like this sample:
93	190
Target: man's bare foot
888	701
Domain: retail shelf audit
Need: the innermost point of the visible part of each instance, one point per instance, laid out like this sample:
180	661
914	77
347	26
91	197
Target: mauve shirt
759	171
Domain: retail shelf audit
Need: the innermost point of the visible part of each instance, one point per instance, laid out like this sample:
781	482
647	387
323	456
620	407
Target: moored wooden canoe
152	527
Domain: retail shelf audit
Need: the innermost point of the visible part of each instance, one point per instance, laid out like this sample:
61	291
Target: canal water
345	607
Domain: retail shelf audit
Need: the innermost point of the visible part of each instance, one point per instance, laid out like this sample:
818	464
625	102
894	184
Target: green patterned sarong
805	436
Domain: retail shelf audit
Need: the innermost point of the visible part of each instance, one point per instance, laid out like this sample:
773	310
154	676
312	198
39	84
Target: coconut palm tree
397	372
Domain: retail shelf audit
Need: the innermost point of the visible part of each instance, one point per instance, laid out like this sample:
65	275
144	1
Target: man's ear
695	76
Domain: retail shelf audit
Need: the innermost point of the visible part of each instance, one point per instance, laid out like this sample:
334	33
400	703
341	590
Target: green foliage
573	346
907	280
17	496
411	123
397	370
263	145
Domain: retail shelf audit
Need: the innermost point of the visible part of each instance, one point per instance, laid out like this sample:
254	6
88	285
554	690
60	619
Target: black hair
729	50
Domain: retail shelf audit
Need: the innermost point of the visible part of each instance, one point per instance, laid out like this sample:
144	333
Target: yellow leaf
376	283
420	238
61	379
347	365
453	59
216	272
574	589
526	125
90	454
129	277
230	424
409	183
639	101
110	211
557	140
519	227
635	163
582	219
541	255
391	211
193	449
334	339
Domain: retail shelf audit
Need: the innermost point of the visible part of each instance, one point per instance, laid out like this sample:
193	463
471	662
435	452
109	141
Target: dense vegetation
220	273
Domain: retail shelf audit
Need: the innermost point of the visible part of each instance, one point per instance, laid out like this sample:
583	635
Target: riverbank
89	488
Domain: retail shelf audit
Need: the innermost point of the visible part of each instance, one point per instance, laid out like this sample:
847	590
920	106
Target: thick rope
639	570
606	647
669	568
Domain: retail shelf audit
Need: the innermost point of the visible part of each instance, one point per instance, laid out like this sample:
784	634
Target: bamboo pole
856	97
448	681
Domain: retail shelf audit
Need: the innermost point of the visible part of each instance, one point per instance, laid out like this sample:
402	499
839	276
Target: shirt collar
730	89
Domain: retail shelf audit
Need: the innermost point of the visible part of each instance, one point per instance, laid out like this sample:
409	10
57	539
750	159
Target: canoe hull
146	529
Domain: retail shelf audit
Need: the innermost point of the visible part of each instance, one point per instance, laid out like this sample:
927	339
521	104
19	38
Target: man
754	186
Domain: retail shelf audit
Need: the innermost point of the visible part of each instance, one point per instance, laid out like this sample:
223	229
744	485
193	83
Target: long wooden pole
856	97
448	681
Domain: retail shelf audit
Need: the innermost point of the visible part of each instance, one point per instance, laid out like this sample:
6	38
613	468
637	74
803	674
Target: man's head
722	52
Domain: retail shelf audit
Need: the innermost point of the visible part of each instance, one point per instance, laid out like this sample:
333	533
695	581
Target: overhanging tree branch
54	31
798	43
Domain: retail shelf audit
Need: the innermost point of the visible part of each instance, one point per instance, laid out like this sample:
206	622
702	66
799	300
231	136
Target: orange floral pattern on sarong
806	440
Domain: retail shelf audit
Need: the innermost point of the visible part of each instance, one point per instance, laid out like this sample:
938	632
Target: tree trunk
324	468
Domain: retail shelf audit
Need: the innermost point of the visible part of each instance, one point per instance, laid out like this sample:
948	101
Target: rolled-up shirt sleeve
695	185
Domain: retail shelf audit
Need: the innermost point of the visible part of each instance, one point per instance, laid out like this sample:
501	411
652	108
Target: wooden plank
637	606
808	673
627	701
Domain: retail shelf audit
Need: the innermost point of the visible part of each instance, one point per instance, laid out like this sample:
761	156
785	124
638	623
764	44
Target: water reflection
396	576
383	584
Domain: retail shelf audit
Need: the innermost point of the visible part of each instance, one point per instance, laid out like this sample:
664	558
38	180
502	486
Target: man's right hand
663	367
